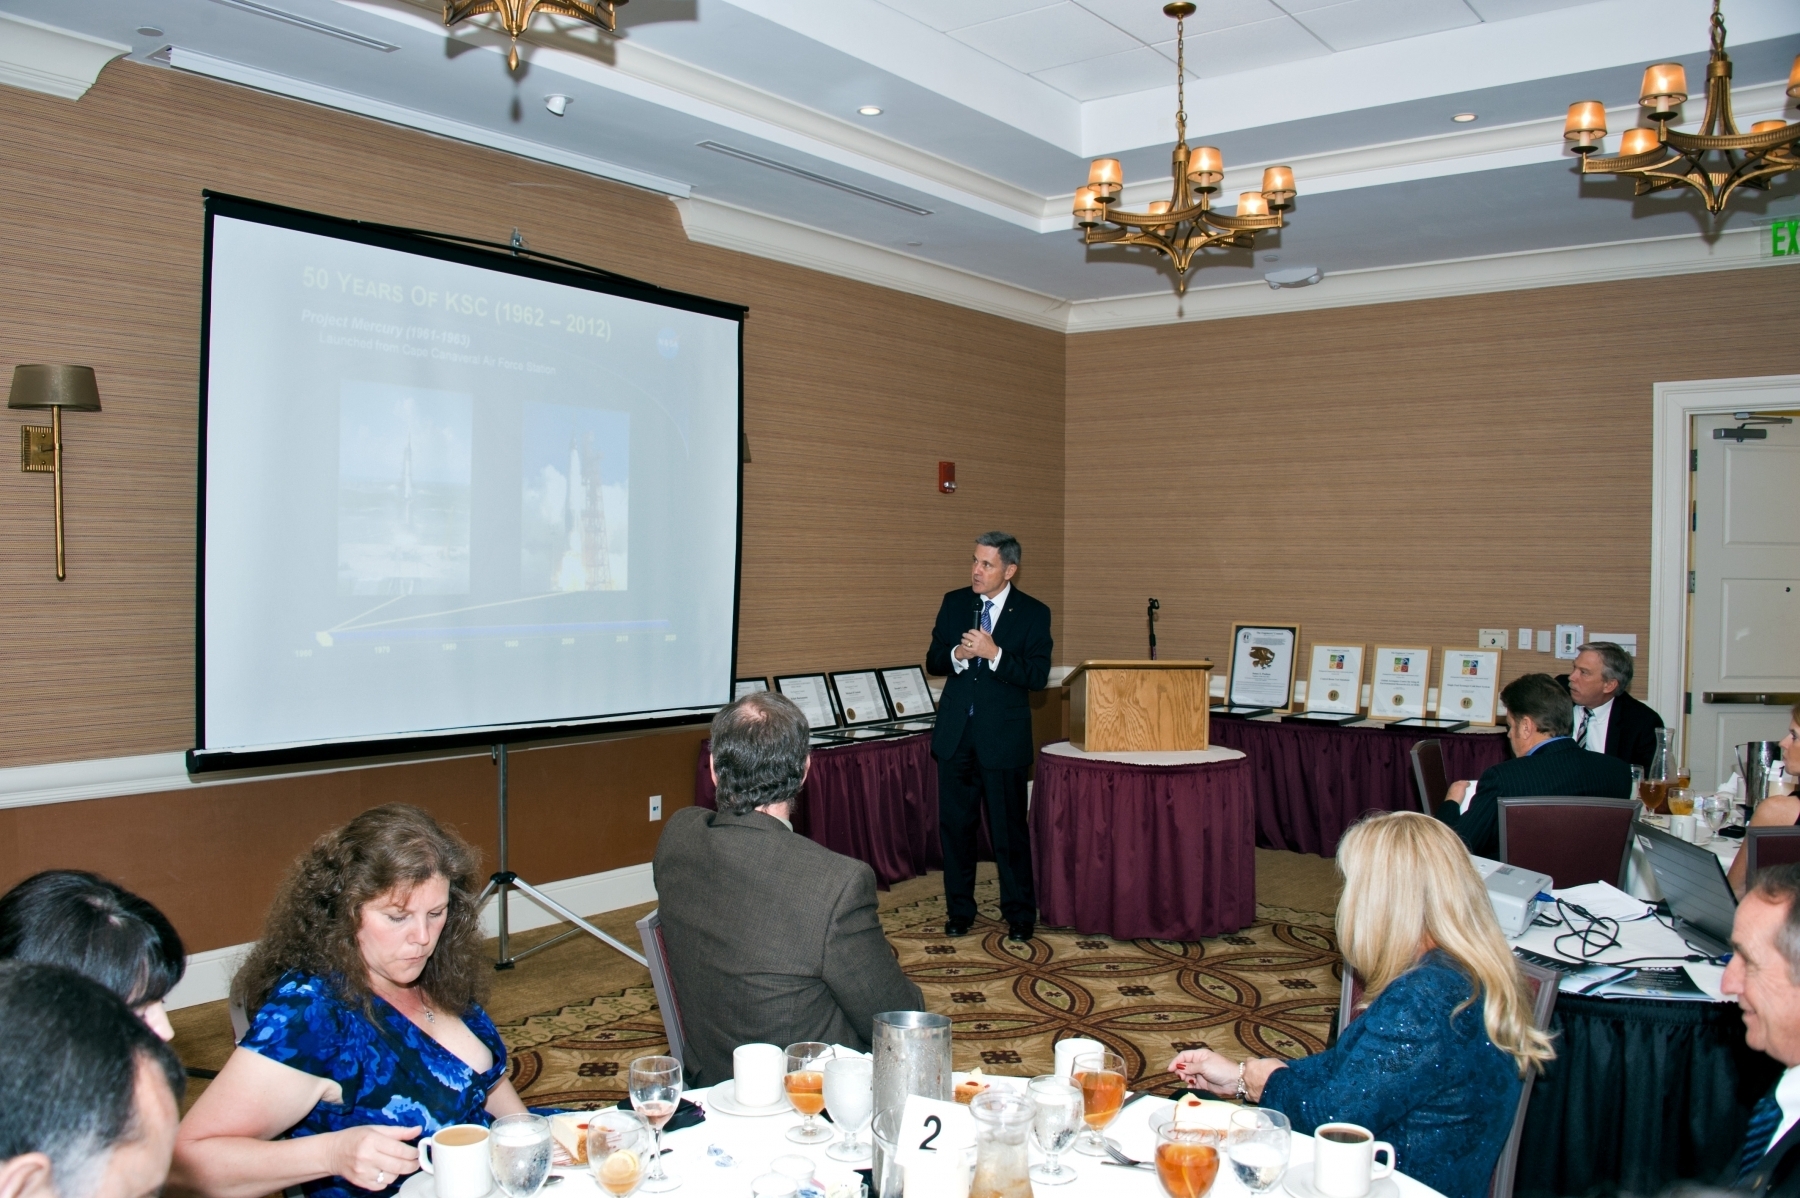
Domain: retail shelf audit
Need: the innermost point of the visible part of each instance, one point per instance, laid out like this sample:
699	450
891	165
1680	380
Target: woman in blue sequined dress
366	1032
1434	1064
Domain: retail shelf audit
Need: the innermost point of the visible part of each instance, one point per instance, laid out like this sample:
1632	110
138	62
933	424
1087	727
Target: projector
1513	891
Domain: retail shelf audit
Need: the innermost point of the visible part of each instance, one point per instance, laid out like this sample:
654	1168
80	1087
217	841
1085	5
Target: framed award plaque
859	697
907	692
1469	688
748	686
1334	684
811	693
1262	666
1398	680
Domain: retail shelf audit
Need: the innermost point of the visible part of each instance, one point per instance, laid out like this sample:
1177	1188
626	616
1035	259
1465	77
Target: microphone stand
1150	615
505	880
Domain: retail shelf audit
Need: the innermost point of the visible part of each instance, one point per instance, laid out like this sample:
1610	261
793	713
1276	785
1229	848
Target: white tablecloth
751	1144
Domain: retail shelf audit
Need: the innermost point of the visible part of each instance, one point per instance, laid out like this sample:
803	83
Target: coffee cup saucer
424	1185
1299	1183
723	1098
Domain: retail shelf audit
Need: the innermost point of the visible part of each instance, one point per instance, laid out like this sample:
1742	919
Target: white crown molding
727	226
43	58
412	118
710	222
209	973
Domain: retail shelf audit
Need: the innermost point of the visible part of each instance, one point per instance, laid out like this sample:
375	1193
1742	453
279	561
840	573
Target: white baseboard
209	973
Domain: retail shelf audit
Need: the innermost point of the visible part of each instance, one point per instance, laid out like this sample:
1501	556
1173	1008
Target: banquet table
1135	850
876	801
751	1144
1312	781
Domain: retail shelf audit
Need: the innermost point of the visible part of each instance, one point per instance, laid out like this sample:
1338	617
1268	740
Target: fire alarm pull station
947	477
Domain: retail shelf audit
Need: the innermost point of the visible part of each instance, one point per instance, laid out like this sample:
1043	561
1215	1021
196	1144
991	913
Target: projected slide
448	493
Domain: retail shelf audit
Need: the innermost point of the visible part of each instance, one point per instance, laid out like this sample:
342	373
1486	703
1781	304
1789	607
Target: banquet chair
650	933
1770	846
1575	840
1428	774
1542	983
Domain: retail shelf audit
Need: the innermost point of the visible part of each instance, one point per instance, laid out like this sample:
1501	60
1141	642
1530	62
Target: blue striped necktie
1765	1117
987	625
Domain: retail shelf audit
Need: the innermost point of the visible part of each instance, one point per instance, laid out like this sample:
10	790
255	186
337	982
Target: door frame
1671	493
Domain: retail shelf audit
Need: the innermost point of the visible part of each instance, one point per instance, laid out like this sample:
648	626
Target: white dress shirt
959	664
1597	725
1787	1097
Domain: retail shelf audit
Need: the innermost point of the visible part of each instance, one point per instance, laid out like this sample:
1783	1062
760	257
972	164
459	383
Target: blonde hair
1409	882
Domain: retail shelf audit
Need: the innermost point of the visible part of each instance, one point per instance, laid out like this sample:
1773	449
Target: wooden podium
1139	706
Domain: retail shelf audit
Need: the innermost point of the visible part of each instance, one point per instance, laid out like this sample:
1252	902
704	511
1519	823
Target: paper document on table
1603	901
1670	982
1708	977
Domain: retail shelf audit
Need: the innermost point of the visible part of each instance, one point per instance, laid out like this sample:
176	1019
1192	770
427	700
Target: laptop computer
1693	882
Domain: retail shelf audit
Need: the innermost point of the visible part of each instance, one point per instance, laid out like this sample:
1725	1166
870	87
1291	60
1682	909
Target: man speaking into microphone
992	641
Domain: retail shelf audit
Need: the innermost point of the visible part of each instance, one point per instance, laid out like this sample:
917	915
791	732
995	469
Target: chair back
1543	984
240	1021
1575	840
1349	998
1770	846
650	932
1428	774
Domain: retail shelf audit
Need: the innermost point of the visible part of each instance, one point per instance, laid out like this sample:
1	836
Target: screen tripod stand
504	881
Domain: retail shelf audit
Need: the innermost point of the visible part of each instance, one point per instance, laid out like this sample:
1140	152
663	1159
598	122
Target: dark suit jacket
1001	697
1630	731
771	938
1557	768
1777	1175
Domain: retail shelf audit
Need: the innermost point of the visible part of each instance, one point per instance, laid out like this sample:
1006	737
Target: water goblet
1101	1076
619	1147
519	1154
850	1096
1054	1125
806	1089
655	1084
1257	1143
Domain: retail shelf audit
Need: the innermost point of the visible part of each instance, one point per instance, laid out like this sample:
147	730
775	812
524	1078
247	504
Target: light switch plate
1491	638
1525	640
1545	639
655	808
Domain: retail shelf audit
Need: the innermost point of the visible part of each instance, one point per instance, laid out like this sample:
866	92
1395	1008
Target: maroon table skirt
1312	781
1135	851
876	802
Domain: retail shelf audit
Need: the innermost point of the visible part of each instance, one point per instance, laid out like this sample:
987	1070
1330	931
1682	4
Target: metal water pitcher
1759	764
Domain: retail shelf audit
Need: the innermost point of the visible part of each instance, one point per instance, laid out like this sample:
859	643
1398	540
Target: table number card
1262	665
907	691
812	695
932	1130
1399	679
1470	686
860	698
1335	683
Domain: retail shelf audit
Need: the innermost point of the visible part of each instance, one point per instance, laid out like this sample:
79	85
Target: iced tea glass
806	1089
1101	1076
1187	1159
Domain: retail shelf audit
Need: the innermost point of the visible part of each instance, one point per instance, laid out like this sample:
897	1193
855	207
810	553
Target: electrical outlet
655	808
1491	638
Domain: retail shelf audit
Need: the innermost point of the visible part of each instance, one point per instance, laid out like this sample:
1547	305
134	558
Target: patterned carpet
1268	990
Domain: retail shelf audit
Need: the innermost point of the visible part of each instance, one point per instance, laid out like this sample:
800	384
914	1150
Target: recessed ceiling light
149	31
869	110
1463	118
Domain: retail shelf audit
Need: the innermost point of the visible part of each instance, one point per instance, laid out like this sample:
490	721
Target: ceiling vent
800	172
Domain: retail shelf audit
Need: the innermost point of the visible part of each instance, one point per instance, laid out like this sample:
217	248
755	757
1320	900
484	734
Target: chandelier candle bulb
1107	178
1278	186
1642	141
1665	87
1206	167
1585	126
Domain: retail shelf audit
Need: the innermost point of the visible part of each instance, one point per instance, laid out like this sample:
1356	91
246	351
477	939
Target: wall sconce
40	446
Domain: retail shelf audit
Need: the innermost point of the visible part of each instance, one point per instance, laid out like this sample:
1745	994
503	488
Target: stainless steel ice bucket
1759	764
912	1056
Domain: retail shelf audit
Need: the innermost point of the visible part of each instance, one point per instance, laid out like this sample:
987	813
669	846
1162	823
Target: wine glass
619	1144
806	1089
1187	1159
850	1095
1101	1076
1715	809
519	1152
655	1093
1054	1125
1257	1144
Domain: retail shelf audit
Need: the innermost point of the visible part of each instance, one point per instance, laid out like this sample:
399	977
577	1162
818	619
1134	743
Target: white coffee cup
457	1158
1682	826
1068	1050
757	1071
1344	1160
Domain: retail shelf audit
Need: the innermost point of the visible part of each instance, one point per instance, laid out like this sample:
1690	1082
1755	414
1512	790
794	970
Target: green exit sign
1784	238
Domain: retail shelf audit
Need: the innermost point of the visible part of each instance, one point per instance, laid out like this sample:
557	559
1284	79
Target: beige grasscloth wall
1401	474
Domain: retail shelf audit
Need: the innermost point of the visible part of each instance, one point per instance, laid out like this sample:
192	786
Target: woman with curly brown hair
367	1030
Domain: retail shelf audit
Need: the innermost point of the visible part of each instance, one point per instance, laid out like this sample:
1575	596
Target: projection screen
450	495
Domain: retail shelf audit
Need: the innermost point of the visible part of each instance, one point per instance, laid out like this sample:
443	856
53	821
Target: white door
1744	622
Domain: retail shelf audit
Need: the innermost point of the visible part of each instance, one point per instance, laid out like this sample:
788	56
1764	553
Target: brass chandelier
515	15
1184	224
1661	158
